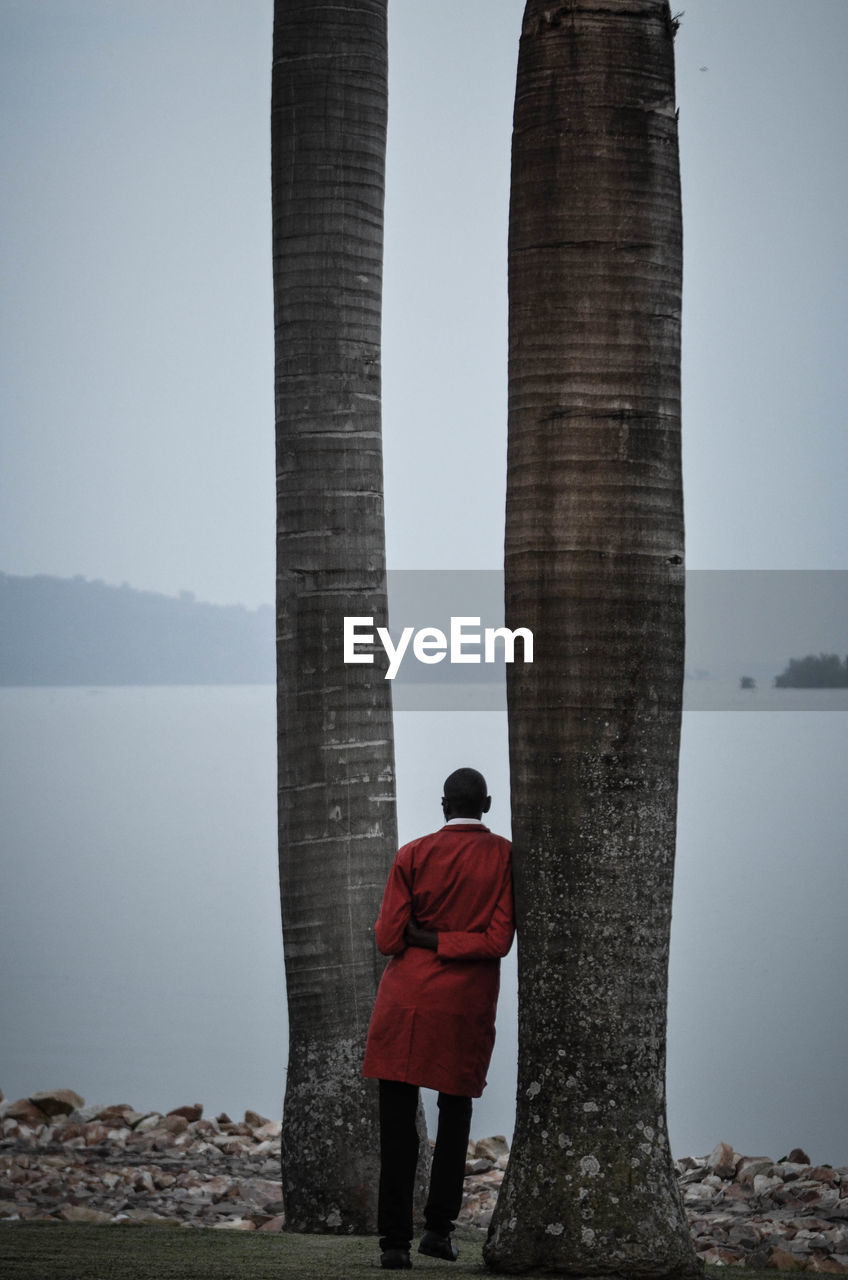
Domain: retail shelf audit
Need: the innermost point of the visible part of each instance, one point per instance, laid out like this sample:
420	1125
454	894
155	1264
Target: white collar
477	822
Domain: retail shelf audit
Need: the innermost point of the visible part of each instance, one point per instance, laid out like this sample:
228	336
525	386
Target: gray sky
137	409
136	383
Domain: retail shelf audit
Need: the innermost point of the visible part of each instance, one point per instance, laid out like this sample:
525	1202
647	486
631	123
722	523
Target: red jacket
434	1018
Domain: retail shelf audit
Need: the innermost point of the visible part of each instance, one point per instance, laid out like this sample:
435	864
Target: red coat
434	1018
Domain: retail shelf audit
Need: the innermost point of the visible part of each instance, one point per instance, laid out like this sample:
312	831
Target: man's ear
487	804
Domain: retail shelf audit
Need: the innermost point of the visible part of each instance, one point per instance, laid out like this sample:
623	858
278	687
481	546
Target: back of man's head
466	793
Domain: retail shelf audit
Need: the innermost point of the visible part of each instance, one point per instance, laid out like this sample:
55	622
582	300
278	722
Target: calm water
141	955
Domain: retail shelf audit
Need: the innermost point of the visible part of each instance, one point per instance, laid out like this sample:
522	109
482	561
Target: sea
140	942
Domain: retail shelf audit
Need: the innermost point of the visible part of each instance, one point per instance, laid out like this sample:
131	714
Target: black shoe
436	1246
395	1259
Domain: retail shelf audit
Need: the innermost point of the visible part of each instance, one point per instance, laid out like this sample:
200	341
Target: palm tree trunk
594	566
337	825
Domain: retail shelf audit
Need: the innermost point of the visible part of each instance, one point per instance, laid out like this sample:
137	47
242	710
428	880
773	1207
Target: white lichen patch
587	1236
590	1106
334	1218
554	1229
590	1166
533	1089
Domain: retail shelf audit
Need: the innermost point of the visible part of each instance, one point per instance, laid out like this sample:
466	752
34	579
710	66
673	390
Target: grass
61	1251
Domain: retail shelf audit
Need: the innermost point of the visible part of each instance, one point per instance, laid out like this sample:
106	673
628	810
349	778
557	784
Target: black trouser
399	1158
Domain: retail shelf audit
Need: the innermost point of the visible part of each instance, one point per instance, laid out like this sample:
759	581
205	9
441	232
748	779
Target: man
446	920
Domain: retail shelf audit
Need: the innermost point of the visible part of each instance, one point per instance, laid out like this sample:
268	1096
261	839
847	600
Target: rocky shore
63	1160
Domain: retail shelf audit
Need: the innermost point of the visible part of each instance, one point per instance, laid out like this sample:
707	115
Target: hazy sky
137	374
137	405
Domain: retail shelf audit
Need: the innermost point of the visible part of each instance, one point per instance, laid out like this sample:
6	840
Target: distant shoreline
60	632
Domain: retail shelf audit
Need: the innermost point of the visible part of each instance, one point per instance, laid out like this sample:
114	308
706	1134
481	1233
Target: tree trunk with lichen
594	565
337	824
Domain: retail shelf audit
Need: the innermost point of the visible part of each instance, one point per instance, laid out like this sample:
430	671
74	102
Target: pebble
63	1160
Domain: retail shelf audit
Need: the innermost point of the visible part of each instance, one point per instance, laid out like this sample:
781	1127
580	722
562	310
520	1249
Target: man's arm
395	911
491	943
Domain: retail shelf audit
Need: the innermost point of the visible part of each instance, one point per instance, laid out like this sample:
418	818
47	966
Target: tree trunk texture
594	565
337	823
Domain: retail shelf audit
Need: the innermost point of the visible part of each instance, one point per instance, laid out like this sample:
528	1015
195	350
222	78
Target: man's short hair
466	790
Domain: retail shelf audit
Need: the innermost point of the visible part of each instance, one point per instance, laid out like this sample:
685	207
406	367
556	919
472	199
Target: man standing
446	920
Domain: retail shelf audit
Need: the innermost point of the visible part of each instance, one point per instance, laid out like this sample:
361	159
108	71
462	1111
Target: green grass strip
60	1251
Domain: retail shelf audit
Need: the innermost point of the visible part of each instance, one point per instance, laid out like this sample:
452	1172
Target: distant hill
69	631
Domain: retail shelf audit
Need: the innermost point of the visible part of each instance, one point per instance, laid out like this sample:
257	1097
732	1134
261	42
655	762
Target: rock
749	1166
765	1185
150	1122
491	1148
782	1260
119	1116
82	1213
789	1171
24	1111
274	1224
258	1192
744	1234
826	1264
735	1194
721	1257
214	1173
698	1194
57	1102
143	1218
270	1131
189	1113
805	1192
796	1156
722	1160
807	1241
206	1128
218	1186
82	1115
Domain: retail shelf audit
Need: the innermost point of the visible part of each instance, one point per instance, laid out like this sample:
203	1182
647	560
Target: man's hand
415	936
